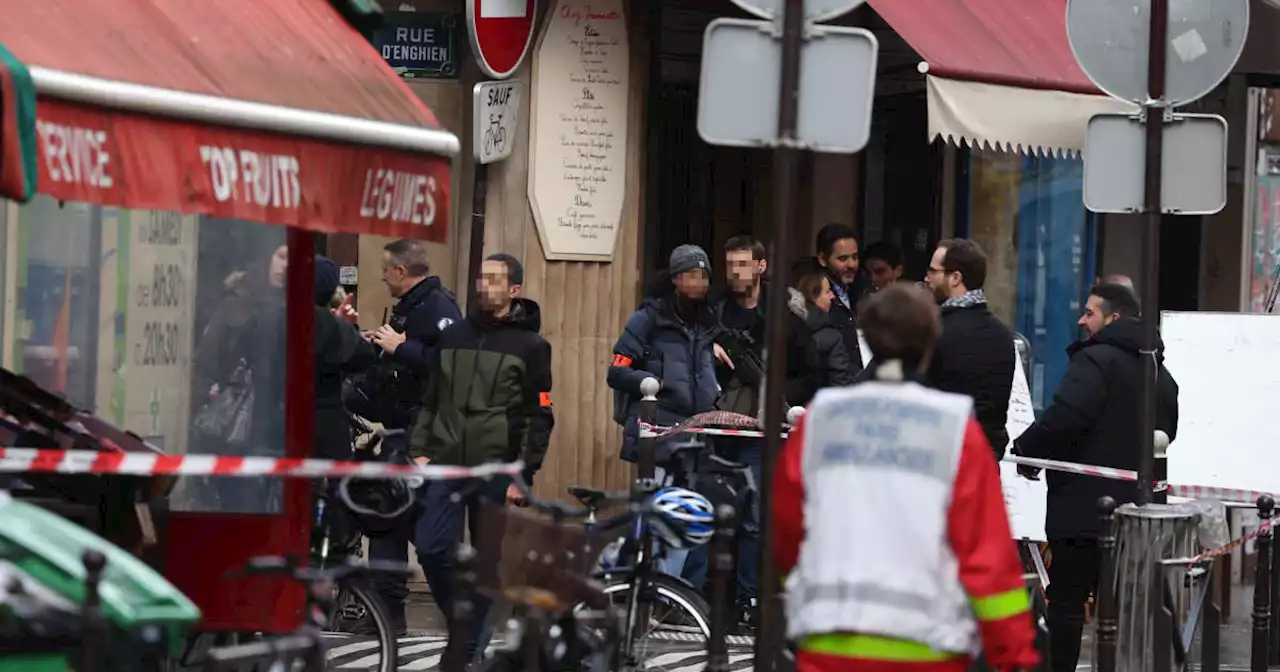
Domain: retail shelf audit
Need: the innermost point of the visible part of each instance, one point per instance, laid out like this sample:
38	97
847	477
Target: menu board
578	130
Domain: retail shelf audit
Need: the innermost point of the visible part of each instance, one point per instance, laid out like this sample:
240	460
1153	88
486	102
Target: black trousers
1073	576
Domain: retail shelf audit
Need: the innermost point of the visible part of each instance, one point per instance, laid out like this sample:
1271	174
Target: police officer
392	394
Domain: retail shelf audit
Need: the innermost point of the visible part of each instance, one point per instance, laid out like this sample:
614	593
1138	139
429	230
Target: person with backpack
670	338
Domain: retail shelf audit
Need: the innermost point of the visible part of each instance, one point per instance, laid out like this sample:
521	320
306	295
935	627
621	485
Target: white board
1228	379
1024	499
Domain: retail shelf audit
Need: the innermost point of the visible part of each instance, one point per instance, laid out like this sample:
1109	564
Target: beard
741	289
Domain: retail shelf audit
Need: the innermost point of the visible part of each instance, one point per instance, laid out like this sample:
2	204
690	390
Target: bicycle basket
527	559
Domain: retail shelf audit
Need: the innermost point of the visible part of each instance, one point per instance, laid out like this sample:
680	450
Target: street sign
501	32
741	72
496	107
1109	39
814	10
1193	163
419	44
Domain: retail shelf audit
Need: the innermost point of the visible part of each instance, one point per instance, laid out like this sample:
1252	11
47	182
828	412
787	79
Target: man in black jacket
975	354
1093	420
392	393
837	250
488	399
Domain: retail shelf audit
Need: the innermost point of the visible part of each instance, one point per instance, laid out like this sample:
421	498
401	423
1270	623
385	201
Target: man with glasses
975	354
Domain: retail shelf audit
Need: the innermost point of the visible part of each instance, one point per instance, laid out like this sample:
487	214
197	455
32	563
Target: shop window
141	316
1028	214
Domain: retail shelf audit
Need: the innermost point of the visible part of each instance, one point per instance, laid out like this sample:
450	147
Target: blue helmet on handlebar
689	517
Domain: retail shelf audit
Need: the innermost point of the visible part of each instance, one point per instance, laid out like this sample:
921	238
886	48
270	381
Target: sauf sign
497	110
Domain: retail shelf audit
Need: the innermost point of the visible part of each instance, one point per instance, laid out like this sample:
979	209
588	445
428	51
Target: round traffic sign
501	32
814	10
1109	40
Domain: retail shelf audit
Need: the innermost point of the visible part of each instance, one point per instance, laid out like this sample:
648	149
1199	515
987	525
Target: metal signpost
501	33
825	82
1191	46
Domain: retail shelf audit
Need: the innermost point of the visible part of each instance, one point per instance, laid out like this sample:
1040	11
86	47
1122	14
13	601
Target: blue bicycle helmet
689	517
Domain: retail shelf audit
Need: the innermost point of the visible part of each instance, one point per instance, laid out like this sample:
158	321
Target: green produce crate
141	605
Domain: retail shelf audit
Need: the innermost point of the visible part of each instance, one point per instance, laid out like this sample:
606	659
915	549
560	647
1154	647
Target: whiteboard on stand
1228	379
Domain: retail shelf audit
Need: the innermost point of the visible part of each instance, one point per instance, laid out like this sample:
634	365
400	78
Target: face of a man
843	259
882	274
1095	317
393	276
494	288
692	284
943	284
743	272
279	266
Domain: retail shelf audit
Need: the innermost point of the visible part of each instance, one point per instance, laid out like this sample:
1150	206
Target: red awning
1000	72
272	111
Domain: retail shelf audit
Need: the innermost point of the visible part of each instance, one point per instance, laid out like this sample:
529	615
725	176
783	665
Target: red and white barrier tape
726	423
39	460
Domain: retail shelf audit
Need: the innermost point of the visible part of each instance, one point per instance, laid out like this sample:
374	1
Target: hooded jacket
1094	420
675	347
488	395
828	343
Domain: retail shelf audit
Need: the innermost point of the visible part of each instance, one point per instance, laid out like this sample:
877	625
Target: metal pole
769	638
475	256
1154	109
1108	626
649	388
1262	589
93	639
721	571
1211	632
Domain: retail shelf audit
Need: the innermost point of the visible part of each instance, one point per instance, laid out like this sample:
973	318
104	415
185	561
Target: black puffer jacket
845	319
1094	420
975	356
827	341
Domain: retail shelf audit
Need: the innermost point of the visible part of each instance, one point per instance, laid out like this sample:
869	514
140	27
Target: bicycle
307	645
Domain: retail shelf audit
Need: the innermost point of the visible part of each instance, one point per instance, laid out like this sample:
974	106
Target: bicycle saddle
726	463
590	497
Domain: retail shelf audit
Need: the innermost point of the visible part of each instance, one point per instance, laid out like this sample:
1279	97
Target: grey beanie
687	258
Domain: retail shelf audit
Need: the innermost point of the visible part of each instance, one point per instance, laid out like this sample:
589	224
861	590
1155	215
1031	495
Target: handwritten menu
578	138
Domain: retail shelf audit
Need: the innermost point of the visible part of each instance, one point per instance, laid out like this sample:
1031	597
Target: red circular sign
501	32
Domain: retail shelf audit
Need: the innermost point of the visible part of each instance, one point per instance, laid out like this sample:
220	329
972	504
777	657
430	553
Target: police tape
50	461
713	423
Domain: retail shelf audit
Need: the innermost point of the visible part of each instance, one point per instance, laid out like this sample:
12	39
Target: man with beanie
671	338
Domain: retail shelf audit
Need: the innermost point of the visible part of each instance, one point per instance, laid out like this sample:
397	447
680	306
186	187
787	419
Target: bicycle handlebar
289	565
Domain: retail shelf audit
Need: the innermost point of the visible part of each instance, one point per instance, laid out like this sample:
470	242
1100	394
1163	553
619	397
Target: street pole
1147	393
475	256
769	637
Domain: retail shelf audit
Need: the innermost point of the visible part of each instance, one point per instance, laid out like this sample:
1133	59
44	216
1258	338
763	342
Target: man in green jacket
488	399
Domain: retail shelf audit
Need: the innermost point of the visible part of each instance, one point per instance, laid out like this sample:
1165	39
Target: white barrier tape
39	460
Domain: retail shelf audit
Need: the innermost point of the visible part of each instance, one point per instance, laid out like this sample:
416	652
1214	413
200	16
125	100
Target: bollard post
1262	588
649	388
1273	649
721	571
1211	635
461	612
1106	597
1162	623
94	623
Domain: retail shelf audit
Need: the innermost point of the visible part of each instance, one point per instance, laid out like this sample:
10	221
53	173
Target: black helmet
378	505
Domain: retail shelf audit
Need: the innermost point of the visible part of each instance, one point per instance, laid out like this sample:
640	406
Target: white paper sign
497	109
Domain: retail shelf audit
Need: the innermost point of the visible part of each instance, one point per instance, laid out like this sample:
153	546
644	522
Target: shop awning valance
1000	73
271	111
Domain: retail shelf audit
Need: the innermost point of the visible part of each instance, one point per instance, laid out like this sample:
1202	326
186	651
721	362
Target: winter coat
974	356
828	344
742	387
658	343
339	351
1094	420
845	319
488	394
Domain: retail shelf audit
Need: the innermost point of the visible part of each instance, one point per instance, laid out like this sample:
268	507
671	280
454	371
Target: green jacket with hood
488	398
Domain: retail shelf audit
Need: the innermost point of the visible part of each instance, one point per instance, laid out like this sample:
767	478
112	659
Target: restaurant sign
420	44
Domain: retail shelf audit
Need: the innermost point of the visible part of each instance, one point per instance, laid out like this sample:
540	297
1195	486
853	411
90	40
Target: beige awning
1009	118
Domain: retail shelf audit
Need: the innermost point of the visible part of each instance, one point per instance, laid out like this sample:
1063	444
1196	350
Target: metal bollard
1262	589
94	623
721	572
1108	625
649	388
1211	620
1162	620
1273	649
462	611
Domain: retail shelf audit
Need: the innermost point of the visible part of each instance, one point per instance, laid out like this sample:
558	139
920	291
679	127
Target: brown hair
745	243
966	257
900	322
807	277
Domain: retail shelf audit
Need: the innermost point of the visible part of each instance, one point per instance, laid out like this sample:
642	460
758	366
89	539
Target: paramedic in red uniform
891	526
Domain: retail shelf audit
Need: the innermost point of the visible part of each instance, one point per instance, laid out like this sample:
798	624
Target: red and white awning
272	111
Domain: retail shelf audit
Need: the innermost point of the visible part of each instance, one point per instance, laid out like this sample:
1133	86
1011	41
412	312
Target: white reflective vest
878	467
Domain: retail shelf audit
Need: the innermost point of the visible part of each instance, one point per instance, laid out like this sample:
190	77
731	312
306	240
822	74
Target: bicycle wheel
678	615
356	603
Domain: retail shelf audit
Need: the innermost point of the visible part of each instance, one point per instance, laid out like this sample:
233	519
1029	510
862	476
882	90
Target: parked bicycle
307	646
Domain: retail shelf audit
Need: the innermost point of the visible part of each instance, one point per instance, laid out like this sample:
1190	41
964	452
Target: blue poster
420	44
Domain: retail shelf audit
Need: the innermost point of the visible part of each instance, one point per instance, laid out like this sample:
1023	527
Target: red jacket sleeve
978	529
788	502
